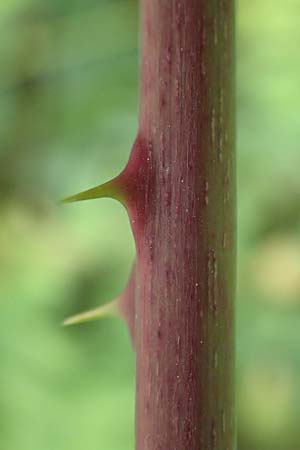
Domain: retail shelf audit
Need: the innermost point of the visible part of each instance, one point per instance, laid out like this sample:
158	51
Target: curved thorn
108	310
111	189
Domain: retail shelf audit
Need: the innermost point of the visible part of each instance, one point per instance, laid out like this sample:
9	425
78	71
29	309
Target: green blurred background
68	118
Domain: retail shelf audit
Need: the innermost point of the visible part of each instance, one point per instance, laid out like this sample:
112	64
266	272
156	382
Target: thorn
109	310
111	189
127	303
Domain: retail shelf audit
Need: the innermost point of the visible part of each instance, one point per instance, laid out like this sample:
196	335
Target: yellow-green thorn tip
111	189
109	310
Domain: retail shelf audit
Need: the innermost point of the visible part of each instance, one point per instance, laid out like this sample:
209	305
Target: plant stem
179	190
181	199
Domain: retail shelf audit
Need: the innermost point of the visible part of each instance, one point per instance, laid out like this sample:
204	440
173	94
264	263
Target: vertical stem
186	236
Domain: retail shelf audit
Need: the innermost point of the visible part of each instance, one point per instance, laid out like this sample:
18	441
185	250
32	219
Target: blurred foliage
68	117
